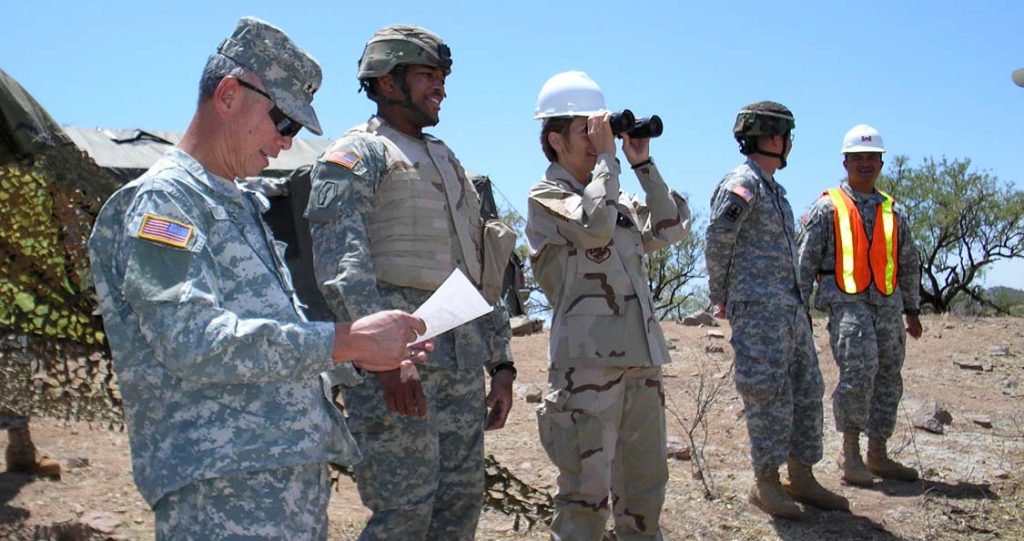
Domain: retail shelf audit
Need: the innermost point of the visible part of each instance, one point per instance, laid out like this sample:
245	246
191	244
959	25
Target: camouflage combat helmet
399	44
763	118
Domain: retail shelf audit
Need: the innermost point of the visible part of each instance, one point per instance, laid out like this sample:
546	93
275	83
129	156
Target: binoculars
638	128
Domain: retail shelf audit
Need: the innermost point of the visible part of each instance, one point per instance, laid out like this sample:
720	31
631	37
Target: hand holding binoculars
637	128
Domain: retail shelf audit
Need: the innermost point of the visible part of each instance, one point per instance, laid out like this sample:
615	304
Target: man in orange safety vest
856	243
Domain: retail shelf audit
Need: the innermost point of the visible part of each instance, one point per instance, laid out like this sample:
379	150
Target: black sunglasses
284	124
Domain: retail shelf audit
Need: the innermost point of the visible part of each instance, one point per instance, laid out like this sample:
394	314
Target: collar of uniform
378	123
262	203
221	186
769	181
557	172
874	196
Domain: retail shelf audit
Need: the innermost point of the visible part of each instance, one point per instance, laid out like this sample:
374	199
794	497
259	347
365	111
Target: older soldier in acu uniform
391	215
229	421
603	420
857	244
752	272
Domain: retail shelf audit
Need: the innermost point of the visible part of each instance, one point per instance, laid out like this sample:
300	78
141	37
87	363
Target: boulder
524	326
932	416
677	449
699	319
529	392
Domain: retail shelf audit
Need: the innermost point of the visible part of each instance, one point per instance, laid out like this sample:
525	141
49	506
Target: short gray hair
217	68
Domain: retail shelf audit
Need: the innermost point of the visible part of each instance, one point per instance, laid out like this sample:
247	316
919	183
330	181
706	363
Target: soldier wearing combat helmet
752	273
392	214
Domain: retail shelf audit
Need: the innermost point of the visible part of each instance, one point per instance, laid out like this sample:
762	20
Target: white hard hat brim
858	148
566	114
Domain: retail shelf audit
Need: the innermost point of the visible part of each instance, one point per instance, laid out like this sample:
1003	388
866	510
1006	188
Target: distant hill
1005	296
1009	298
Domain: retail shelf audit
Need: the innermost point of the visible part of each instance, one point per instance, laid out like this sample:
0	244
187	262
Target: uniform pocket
567	435
157	273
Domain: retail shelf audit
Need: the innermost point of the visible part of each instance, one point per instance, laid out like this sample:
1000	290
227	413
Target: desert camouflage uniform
866	330
218	367
422	478
752	268
603	420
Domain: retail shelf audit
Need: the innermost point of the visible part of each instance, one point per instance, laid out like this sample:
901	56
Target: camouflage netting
53	354
506	494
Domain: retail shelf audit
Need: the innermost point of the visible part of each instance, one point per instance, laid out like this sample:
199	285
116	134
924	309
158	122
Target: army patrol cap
399	44
763	118
288	73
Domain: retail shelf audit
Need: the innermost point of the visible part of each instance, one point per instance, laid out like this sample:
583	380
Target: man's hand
499	400
403	391
636	150
380	341
914	328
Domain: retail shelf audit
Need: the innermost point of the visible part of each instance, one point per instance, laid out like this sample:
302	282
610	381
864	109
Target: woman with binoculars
603	419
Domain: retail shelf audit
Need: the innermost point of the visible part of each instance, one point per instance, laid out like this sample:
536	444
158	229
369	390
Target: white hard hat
570	93
862	138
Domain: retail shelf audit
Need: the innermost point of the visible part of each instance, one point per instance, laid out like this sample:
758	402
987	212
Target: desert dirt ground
971	487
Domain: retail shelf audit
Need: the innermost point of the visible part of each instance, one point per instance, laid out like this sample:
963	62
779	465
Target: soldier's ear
227	96
388	87
557	142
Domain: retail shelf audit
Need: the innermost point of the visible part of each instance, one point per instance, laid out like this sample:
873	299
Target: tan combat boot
767	494
804	488
881	465
21	456
854	470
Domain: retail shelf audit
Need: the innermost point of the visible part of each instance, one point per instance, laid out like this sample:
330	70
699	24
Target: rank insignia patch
164	231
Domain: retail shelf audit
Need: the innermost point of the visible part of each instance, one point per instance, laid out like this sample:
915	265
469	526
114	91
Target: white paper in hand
457	301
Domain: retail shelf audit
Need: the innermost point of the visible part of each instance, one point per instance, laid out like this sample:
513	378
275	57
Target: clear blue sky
933	77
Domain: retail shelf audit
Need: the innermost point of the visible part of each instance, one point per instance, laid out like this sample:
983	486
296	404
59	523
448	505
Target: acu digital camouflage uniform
751	256
603	420
422	477
866	330
226	405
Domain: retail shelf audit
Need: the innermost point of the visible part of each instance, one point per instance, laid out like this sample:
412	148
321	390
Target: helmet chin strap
781	156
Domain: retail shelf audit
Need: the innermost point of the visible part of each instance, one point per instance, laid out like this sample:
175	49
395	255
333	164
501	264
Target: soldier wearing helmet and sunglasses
856	243
751	255
224	380
392	214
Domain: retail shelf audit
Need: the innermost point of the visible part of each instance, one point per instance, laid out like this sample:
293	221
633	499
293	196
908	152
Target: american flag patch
164	231
742	192
346	159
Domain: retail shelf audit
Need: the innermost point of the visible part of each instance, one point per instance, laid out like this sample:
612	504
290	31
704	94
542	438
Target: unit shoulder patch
165	231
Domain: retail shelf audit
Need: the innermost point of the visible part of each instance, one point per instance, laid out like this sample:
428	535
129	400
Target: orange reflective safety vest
858	262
